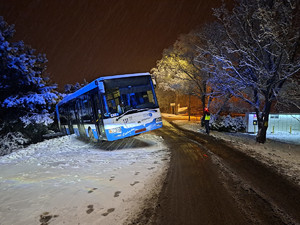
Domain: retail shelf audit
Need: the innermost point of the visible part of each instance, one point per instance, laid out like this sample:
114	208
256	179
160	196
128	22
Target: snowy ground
68	181
281	151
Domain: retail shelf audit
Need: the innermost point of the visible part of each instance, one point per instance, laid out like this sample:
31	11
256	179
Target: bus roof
93	85
122	76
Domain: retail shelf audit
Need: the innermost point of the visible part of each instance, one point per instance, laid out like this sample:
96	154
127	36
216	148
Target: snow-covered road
68	181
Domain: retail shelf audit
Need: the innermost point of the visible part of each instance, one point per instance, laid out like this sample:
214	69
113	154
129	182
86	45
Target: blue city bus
111	108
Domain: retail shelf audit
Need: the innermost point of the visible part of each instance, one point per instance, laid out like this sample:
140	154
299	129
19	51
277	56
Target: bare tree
290	96
257	55
178	71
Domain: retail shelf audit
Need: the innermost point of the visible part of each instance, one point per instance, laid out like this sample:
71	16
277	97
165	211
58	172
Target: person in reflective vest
206	117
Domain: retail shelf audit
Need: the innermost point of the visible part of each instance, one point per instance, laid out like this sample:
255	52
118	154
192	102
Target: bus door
98	114
78	108
71	117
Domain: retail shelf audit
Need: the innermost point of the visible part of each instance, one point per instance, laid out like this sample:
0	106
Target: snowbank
67	181
281	152
286	137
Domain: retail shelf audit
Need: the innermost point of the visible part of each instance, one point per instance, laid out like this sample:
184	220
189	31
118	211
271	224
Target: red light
141	130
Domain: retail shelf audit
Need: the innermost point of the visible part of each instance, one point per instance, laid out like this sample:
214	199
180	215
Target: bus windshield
125	94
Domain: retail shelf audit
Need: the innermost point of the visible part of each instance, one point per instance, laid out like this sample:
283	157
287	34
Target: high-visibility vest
207	117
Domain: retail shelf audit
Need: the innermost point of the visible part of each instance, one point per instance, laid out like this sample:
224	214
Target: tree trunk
262	135
203	97
189	108
176	104
263	122
203	102
209	101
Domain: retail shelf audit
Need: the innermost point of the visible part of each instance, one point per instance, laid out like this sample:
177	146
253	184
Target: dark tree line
27	95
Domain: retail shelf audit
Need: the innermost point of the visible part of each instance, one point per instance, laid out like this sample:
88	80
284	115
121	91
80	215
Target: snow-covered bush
44	119
27	96
35	132
227	123
12	141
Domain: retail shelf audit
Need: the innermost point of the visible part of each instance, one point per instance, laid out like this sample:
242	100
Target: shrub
12	141
227	124
16	133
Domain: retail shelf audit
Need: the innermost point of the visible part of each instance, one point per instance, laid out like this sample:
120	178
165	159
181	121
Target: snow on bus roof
93	85
122	76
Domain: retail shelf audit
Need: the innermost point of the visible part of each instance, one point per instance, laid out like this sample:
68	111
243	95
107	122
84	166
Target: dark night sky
93	38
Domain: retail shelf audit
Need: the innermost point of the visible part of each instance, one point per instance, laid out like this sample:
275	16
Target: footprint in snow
46	217
117	194
92	190
135	182
90	209
108	212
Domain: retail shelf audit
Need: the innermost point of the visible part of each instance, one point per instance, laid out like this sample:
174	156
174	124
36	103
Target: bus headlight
157	120
115	130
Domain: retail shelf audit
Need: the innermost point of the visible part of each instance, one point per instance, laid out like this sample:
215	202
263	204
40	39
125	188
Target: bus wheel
92	138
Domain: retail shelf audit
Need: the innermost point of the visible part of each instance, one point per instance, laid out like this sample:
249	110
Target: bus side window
87	109
63	115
